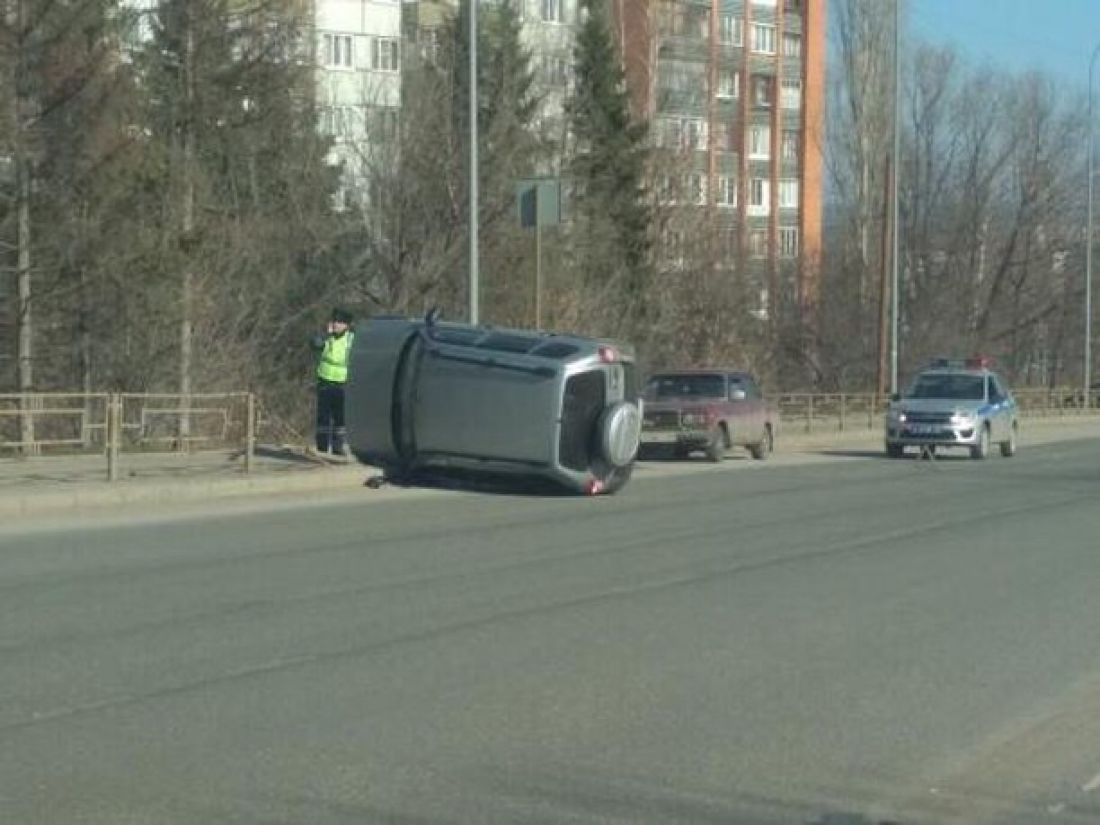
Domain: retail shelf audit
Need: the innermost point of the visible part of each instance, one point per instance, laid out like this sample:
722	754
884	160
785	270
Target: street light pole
473	286
1087	380
894	217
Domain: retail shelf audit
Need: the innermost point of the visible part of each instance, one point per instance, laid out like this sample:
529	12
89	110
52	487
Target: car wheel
617	479
716	449
759	451
981	450
1008	448
895	451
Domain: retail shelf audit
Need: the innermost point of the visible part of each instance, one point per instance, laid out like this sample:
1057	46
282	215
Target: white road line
1092	785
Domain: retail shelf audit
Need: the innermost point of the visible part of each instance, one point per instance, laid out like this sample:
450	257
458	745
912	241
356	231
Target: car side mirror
895	397
737	395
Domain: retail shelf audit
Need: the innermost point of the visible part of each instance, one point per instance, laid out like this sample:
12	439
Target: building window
553	11
340	199
696	188
788	242
762	90
681	84
792	45
763	38
666	191
337	121
385	55
790	93
727	190
385	125
788	193
725	136
337	49
555	71
759	190
731	30
760	141
729	83
693	134
790	144
758	243
684	21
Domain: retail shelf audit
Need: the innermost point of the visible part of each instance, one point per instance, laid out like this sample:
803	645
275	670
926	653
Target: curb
102	495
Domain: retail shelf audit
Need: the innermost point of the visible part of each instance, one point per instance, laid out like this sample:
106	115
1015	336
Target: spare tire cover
620	432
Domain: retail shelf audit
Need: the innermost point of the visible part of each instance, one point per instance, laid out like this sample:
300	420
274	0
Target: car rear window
702	385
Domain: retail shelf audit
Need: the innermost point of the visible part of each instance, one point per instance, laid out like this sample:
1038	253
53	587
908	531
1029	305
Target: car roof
975	371
702	371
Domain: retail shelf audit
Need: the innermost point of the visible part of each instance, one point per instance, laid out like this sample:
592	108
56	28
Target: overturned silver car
424	395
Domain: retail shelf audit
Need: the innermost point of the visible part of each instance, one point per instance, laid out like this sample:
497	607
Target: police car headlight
962	420
898	415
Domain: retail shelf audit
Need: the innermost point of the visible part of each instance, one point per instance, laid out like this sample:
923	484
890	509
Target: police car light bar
974	362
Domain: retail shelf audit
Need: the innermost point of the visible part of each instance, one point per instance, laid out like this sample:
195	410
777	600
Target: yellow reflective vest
334	359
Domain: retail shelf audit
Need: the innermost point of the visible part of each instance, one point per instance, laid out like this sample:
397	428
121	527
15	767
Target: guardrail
822	412
34	424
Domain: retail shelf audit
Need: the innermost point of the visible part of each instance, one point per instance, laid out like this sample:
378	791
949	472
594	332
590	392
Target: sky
1055	36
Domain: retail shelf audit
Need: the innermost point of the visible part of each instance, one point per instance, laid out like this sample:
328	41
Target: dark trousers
330	417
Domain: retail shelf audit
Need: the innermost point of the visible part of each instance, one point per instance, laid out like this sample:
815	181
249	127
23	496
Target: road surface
842	641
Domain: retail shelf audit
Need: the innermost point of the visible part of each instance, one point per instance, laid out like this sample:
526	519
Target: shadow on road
909	456
474	483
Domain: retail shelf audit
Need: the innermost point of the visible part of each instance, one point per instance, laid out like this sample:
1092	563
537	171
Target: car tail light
594	487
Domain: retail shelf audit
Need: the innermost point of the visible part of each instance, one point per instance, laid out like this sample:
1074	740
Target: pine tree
609	157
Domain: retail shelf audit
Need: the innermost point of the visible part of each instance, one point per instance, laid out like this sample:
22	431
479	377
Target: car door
1007	407
750	410
996	399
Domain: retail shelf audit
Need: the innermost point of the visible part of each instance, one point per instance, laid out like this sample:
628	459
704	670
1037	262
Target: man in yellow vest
332	376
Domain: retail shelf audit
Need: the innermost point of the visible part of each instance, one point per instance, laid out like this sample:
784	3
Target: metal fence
35	424
111	424
826	412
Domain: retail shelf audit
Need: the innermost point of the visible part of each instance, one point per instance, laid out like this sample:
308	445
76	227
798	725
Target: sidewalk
60	484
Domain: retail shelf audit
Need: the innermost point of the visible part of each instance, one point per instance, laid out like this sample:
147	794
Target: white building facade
359	55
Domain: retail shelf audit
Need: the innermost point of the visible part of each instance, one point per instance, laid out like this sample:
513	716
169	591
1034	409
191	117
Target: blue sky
1055	36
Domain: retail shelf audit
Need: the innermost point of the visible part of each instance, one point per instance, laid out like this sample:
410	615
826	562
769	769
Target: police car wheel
1008	448
895	451
981	449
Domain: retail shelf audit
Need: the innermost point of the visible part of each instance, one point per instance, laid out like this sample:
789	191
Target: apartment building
735	90
358	59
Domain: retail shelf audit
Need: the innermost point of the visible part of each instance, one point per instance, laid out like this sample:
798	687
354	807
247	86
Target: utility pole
884	286
1087	381
894	291
473	286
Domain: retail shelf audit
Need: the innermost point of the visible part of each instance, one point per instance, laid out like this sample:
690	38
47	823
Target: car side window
744	383
995	395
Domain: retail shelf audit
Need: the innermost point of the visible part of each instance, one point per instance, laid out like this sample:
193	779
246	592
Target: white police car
954	403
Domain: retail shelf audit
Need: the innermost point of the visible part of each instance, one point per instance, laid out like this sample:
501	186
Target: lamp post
1087	380
473	286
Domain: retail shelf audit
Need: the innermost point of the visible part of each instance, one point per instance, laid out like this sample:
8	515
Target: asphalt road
845	641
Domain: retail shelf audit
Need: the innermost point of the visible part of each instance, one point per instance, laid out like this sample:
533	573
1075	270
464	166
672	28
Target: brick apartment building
737	88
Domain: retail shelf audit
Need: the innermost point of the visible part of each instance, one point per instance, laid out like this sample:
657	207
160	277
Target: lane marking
1092	785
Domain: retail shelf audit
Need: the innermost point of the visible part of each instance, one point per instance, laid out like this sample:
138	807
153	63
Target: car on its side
707	410
427	396
954	403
